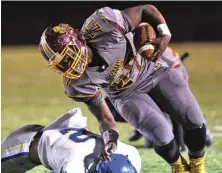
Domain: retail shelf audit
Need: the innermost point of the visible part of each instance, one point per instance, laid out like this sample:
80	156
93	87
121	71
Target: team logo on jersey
124	75
118	65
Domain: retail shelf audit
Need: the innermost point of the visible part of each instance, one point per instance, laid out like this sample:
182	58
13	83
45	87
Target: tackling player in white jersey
65	146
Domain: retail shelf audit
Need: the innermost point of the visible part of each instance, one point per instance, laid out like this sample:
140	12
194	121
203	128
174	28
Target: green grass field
31	93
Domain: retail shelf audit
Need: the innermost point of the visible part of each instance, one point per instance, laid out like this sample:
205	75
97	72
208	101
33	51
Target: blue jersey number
77	136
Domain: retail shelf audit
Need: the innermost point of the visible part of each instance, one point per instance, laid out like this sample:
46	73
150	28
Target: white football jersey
76	152
67	149
15	150
66	146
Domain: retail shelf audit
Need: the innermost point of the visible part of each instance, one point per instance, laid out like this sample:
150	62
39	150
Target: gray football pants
168	92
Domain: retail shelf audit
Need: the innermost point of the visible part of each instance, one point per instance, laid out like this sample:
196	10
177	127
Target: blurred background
33	94
23	22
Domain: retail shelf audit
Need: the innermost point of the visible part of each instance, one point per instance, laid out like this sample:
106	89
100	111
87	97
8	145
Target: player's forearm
107	127
104	116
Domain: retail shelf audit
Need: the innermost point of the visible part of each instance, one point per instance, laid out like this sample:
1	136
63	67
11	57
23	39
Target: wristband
145	47
110	135
163	29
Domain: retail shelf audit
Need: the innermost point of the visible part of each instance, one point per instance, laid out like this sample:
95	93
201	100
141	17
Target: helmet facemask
72	59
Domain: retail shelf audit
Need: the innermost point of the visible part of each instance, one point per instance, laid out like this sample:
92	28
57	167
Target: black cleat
134	136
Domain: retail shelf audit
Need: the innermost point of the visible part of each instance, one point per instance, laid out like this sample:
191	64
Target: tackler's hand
110	138
110	147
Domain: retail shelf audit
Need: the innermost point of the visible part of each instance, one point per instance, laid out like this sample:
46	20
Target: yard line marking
217	134
218	128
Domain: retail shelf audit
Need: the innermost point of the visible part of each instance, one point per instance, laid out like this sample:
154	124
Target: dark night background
23	22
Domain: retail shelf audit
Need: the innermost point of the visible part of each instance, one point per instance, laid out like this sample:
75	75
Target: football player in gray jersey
174	60
102	55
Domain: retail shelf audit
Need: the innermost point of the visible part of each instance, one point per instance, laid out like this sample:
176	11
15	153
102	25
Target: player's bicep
134	14
91	100
144	13
82	90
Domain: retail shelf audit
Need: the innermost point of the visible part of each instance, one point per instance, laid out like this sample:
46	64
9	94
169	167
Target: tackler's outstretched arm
107	124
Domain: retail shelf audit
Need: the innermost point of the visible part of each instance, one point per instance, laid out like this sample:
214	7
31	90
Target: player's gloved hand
110	138
161	42
110	147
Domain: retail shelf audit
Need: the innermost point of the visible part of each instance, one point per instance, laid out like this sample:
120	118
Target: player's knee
162	135
194	118
147	121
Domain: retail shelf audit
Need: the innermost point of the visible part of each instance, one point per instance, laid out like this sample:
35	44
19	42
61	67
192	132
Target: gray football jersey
173	60
15	150
116	64
170	57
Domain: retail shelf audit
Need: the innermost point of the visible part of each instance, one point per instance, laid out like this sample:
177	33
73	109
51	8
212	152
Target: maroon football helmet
65	50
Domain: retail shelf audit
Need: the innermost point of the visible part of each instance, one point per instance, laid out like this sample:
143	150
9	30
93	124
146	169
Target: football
144	33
